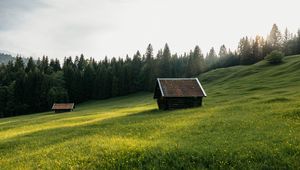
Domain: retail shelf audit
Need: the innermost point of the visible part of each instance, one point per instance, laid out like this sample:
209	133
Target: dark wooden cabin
173	93
62	107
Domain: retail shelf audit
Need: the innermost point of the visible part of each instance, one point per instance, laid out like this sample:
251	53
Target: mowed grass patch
250	120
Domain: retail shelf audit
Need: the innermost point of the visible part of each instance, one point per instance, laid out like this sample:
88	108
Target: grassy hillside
250	120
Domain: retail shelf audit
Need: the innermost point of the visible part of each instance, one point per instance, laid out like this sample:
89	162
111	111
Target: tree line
35	86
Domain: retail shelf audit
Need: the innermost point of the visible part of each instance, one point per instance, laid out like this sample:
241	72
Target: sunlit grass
250	120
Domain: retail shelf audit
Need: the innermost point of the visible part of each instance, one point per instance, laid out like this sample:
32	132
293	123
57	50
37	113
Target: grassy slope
250	119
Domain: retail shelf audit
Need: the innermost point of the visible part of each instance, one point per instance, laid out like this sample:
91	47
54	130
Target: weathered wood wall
178	102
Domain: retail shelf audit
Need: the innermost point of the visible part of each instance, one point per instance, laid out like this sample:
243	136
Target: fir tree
275	38
211	58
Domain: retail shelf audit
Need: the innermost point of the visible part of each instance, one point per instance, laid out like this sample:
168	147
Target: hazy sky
97	28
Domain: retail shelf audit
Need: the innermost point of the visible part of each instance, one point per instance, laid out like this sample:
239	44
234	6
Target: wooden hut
172	93
62	107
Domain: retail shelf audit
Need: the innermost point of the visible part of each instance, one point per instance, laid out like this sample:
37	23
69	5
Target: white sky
97	28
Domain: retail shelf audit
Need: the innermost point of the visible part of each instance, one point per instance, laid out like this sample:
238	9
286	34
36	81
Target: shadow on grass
116	126
278	100
294	114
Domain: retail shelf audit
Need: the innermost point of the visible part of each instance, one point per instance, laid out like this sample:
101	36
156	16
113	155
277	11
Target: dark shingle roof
180	87
62	106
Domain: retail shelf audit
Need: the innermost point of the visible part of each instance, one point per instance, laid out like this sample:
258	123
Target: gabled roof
62	106
179	87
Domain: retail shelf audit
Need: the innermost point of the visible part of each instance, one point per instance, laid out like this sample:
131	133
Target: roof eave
182	96
204	93
161	90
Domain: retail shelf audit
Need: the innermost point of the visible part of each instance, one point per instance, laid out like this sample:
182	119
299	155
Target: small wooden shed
62	107
172	93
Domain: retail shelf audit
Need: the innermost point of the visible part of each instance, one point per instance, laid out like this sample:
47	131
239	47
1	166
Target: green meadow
250	120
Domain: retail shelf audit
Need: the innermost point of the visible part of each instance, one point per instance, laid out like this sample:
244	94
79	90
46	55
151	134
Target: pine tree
19	64
211	58
71	80
286	44
257	49
245	52
287	36
165	67
10	109
147	72
275	38
298	43
44	67
88	81
56	65
223	51
3	100
127	76
115	78
82	63
100	84
196	63
30	65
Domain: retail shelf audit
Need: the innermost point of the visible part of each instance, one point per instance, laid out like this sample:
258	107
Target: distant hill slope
258	77
250	120
5	58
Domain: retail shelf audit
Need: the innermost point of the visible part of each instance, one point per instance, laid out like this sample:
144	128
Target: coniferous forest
33	87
